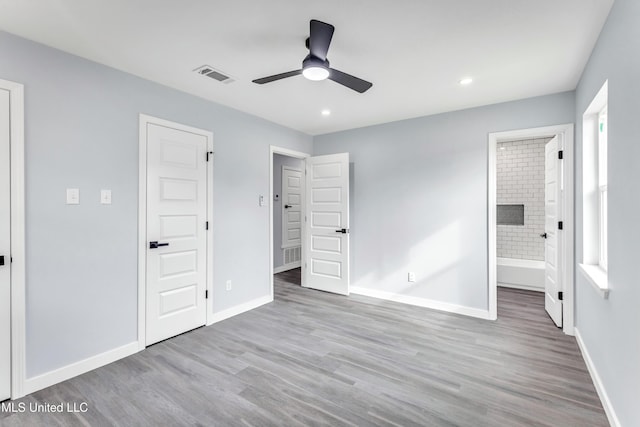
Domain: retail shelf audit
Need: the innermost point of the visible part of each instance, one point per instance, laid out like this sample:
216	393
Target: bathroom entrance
530	218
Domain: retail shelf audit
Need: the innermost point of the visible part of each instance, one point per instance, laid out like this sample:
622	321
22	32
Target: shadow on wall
417	234
434	260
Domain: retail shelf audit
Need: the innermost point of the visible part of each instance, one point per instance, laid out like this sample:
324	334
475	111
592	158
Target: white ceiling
413	51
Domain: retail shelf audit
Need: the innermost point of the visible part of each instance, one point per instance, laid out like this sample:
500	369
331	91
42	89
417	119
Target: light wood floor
312	358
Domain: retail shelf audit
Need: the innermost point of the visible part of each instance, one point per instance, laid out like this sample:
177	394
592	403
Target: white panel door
552	208
176	232
326	252
5	249
291	207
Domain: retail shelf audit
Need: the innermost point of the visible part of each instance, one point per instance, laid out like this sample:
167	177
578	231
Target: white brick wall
520	181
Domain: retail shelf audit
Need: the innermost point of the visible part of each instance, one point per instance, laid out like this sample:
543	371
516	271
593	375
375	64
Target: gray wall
82	131
419	192
609	328
278	162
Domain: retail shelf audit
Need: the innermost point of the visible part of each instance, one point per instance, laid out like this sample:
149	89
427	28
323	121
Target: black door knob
287	206
543	235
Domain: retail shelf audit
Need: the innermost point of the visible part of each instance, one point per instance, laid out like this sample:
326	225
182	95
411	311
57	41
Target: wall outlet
411	277
229	285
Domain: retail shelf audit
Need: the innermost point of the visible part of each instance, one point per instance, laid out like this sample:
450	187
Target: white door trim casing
145	120
17	256
285	152
567	234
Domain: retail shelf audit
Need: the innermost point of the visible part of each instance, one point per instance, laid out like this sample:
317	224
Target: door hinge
206	294
206	225
209	153
560	225
560	296
560	154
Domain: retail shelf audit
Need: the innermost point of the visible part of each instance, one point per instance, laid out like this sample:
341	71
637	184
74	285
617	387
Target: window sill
597	277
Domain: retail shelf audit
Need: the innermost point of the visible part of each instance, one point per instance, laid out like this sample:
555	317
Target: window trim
595	194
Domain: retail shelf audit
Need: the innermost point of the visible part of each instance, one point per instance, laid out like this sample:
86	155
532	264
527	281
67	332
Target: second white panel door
176	232
326	251
552	197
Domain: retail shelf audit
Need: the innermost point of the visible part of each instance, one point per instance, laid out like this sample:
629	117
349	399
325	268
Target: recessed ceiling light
326	112
466	81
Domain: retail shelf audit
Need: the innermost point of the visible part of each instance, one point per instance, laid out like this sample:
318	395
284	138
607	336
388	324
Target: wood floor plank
314	358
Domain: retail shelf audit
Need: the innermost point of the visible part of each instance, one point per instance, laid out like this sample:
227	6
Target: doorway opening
287	186
324	219
288	199
530	201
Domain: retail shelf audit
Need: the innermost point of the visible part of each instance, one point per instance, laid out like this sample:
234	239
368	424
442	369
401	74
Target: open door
326	242
552	212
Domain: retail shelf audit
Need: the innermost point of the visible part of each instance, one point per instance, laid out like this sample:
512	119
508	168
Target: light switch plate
73	196
105	197
261	201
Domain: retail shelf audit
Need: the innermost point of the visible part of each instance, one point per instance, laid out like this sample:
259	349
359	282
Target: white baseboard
240	308
421	302
31	385
286	267
521	287
597	382
59	375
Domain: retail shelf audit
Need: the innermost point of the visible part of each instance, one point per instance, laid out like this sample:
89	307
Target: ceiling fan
316	65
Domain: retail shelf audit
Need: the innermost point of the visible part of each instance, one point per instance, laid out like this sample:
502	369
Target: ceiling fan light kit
316	65
315	73
314	69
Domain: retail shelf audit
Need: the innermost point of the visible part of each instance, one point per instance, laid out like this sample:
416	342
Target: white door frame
145	120
17	256
291	153
567	256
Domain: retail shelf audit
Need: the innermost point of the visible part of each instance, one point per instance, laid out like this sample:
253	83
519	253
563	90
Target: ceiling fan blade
320	35
277	77
349	81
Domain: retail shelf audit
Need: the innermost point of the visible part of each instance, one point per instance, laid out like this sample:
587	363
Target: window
602	186
595	210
